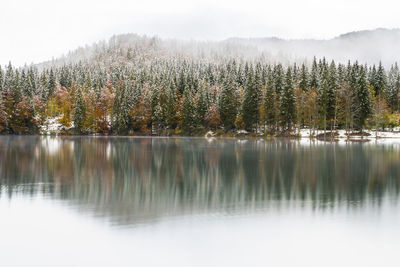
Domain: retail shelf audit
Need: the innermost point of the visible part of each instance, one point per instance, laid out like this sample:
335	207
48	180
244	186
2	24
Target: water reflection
131	180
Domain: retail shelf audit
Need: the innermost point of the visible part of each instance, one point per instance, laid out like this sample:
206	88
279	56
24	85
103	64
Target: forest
138	89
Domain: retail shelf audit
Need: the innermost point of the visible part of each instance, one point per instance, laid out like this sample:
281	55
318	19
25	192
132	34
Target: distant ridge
366	46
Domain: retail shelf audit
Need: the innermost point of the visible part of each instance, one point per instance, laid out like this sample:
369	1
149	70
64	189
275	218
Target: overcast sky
34	31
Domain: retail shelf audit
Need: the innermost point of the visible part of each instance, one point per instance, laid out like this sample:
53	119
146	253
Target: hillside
370	46
144	85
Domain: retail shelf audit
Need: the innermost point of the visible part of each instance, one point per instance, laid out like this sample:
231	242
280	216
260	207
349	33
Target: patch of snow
209	134
306	133
52	125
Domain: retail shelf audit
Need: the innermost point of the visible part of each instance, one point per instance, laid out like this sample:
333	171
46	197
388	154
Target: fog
36	31
371	47
366	47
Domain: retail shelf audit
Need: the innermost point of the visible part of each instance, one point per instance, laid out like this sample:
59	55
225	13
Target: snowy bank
342	134
53	126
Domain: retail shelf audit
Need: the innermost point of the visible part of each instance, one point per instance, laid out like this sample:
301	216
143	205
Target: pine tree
32	83
363	99
269	103
201	105
79	114
26	88
278	79
181	84
323	97
51	85
354	77
372	77
332	95
228	103
314	75
3	117
188	112
288	102
9	77
392	94
16	87
159	109
44	86
121	118
250	104
173	105
380	81
341	74
1	79
303	84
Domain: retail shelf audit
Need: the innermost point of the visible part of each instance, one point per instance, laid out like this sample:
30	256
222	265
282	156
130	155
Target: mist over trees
140	85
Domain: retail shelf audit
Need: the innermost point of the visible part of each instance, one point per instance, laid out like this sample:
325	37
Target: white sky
34	31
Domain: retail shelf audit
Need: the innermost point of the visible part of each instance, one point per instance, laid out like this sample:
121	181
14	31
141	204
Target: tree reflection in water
129	180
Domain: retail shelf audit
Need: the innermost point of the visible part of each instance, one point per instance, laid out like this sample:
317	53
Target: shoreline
367	135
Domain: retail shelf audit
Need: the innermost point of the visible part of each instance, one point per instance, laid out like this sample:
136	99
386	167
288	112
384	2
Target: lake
124	201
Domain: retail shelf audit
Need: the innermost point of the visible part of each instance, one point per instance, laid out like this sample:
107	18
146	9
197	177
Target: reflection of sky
193	202
138	180
43	232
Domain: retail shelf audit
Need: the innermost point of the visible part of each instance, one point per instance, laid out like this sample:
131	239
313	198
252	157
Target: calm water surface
97	201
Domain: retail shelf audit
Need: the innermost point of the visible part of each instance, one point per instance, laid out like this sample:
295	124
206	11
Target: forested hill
141	85
371	46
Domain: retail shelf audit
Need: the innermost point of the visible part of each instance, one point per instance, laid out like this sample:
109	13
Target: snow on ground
209	134
51	125
305	133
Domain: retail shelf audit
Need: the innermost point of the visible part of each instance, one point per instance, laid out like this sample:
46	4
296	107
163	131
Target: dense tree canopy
126	90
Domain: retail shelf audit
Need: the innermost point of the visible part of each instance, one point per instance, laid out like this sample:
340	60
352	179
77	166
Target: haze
35	31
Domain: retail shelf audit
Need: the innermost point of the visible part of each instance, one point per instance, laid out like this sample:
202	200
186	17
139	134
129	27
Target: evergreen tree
303	84
173	105
372	77
181	85
288	104
51	85
228	103
278	79
32	83
314	75
79	114
121	118
3	117
340	74
269	103
380	81
332	95
392	94
323	97
26	88
1	79
159	109
188	112
201	105
363	99
44	86
16	87
250	102
9	77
